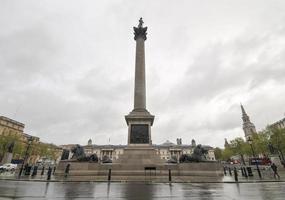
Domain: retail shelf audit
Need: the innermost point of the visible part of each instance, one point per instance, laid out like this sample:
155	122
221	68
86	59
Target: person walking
274	168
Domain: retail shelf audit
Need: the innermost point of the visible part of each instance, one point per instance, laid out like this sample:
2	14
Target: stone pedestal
132	171
137	158
139	128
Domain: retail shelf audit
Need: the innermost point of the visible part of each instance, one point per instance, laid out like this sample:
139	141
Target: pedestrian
274	168
54	168
43	170
49	173
67	169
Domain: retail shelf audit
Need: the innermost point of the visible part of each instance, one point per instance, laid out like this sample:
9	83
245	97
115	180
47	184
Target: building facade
11	127
166	151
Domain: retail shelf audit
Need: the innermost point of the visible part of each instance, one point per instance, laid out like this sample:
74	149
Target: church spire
248	126
242	110
226	143
245	117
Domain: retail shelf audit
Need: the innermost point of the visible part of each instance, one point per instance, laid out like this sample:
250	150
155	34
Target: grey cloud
213	72
25	50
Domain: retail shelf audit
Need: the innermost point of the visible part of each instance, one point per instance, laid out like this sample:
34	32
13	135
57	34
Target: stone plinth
139	128
131	166
140	157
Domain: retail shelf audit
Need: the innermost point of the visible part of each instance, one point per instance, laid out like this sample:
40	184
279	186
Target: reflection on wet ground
139	191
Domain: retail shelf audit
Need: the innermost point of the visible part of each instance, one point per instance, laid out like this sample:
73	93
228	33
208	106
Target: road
27	190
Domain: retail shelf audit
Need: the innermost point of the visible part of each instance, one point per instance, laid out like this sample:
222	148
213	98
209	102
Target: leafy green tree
6	140
277	139
239	147
218	153
260	143
227	153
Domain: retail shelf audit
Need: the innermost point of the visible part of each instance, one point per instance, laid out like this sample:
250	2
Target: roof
30	136
12	121
168	143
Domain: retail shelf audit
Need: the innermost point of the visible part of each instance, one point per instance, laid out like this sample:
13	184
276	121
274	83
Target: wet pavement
27	190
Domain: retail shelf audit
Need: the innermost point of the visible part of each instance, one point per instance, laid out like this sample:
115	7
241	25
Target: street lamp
30	140
253	153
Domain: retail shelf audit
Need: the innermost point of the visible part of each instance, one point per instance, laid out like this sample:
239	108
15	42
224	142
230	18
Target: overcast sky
67	67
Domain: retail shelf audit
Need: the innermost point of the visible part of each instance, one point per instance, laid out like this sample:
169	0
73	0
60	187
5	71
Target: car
8	167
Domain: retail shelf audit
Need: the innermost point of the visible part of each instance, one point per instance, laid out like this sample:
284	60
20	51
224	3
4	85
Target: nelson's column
139	153
139	120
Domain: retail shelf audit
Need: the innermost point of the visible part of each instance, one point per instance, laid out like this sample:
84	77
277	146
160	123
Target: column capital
140	31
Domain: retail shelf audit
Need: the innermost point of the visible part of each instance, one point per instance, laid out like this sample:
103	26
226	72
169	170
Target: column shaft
140	91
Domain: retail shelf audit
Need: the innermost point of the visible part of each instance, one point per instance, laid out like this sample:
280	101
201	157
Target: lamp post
253	153
30	140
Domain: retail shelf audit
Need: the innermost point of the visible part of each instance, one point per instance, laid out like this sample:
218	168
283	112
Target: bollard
66	171
236	174
35	171
109	175
245	173
169	175
28	170
49	173
249	171
225	171
43	171
230	171
242	172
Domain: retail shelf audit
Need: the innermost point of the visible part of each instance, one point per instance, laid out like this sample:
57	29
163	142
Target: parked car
8	167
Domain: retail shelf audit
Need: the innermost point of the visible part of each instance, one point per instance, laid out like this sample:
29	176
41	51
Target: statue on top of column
140	23
140	31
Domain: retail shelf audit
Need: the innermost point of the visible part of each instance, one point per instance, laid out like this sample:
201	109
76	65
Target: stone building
165	150
11	127
14	128
112	151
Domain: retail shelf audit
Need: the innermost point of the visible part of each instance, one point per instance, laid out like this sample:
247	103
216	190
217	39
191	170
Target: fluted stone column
139	120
